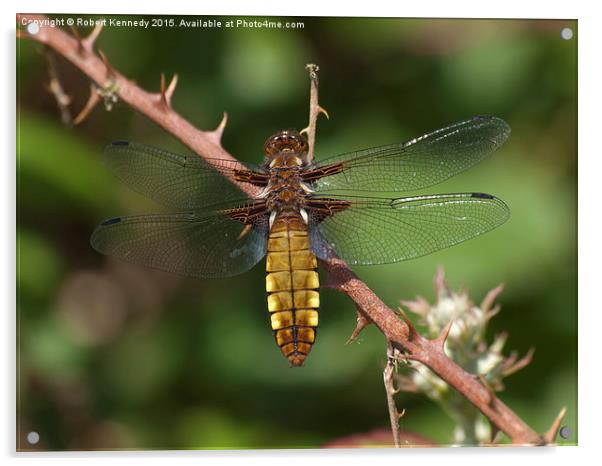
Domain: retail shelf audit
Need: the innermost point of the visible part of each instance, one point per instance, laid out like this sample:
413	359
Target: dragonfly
303	211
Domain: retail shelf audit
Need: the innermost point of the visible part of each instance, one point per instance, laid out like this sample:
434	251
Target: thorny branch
400	333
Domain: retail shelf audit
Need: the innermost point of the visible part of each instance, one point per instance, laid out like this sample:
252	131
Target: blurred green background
115	356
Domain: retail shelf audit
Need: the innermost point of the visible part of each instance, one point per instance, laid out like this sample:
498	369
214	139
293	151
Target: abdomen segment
292	284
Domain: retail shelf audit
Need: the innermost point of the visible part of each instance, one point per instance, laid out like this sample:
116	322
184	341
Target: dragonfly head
287	140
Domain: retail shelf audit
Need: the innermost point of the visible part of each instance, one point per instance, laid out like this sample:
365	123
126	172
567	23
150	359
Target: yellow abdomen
292	284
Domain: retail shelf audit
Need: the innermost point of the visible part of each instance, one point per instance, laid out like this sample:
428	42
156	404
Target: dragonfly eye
288	140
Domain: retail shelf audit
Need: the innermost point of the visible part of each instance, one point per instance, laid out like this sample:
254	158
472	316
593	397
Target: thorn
167	91
76	33
322	110
440	340
396	391
496	433
78	38
88	42
411	329
110	71
361	323
402	414
550	435
218	132
163	96
90	104
172	87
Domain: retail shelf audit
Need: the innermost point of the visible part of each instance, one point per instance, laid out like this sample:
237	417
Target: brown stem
388	379
314	110
207	144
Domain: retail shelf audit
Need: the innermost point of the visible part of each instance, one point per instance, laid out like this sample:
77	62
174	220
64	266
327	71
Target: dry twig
391	391
63	100
314	110
400	333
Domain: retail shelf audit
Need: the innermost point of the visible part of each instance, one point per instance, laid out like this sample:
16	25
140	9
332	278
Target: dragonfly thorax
285	161
285	189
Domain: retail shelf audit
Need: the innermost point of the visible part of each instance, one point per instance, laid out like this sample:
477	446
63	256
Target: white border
589	255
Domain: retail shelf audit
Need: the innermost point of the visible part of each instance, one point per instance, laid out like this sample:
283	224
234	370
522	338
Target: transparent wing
188	243
177	181
381	231
415	164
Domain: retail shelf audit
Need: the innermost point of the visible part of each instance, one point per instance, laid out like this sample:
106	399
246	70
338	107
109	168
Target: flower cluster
466	346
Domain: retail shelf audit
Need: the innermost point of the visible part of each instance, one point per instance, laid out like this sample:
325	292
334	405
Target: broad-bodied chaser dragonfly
303	211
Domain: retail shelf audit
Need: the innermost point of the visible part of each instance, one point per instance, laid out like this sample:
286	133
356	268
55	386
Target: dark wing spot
111	221
482	196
